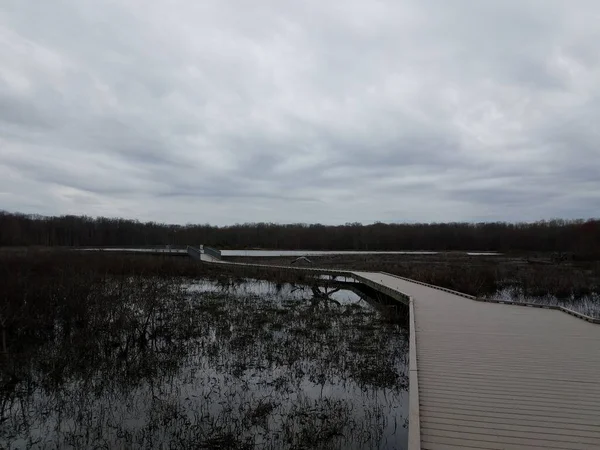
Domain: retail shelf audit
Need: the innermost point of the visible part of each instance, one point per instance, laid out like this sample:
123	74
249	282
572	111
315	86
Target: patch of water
273	253
219	365
484	253
277	292
588	305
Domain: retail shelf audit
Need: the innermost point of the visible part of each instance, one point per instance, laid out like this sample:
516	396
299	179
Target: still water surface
242	364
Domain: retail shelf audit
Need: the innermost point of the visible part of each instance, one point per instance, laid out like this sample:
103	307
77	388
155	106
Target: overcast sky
189	111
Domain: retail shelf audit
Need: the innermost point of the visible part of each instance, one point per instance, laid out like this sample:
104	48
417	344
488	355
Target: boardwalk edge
414	423
503	302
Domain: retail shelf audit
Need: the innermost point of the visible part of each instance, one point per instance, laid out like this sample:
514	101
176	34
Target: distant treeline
577	236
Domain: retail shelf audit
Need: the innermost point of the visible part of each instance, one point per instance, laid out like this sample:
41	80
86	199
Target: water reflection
230	364
291	253
588	305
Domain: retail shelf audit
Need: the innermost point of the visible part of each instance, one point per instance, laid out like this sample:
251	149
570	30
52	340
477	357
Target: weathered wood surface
495	376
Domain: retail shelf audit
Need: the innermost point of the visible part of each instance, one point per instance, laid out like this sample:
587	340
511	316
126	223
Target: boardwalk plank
501	376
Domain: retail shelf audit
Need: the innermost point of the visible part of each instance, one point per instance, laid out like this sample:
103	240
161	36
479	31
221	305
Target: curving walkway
495	376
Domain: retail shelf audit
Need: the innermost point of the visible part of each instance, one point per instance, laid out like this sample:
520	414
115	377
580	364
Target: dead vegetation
104	351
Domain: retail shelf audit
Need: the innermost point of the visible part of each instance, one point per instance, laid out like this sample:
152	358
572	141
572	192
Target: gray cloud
222	112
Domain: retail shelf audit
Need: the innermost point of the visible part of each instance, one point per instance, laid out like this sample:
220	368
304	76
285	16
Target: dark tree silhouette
581	237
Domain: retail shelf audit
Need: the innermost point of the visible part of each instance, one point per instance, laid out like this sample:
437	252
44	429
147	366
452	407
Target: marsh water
234	364
588	305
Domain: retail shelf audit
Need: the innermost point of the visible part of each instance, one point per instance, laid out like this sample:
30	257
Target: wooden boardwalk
493	376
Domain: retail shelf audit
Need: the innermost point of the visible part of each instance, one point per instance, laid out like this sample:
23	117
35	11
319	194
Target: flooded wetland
153	362
109	350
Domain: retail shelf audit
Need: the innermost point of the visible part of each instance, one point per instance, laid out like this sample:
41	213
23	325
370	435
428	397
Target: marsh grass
105	358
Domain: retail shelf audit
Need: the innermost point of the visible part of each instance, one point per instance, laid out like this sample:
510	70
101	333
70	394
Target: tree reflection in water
154	363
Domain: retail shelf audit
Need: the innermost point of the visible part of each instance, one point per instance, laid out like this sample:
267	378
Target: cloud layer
231	111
